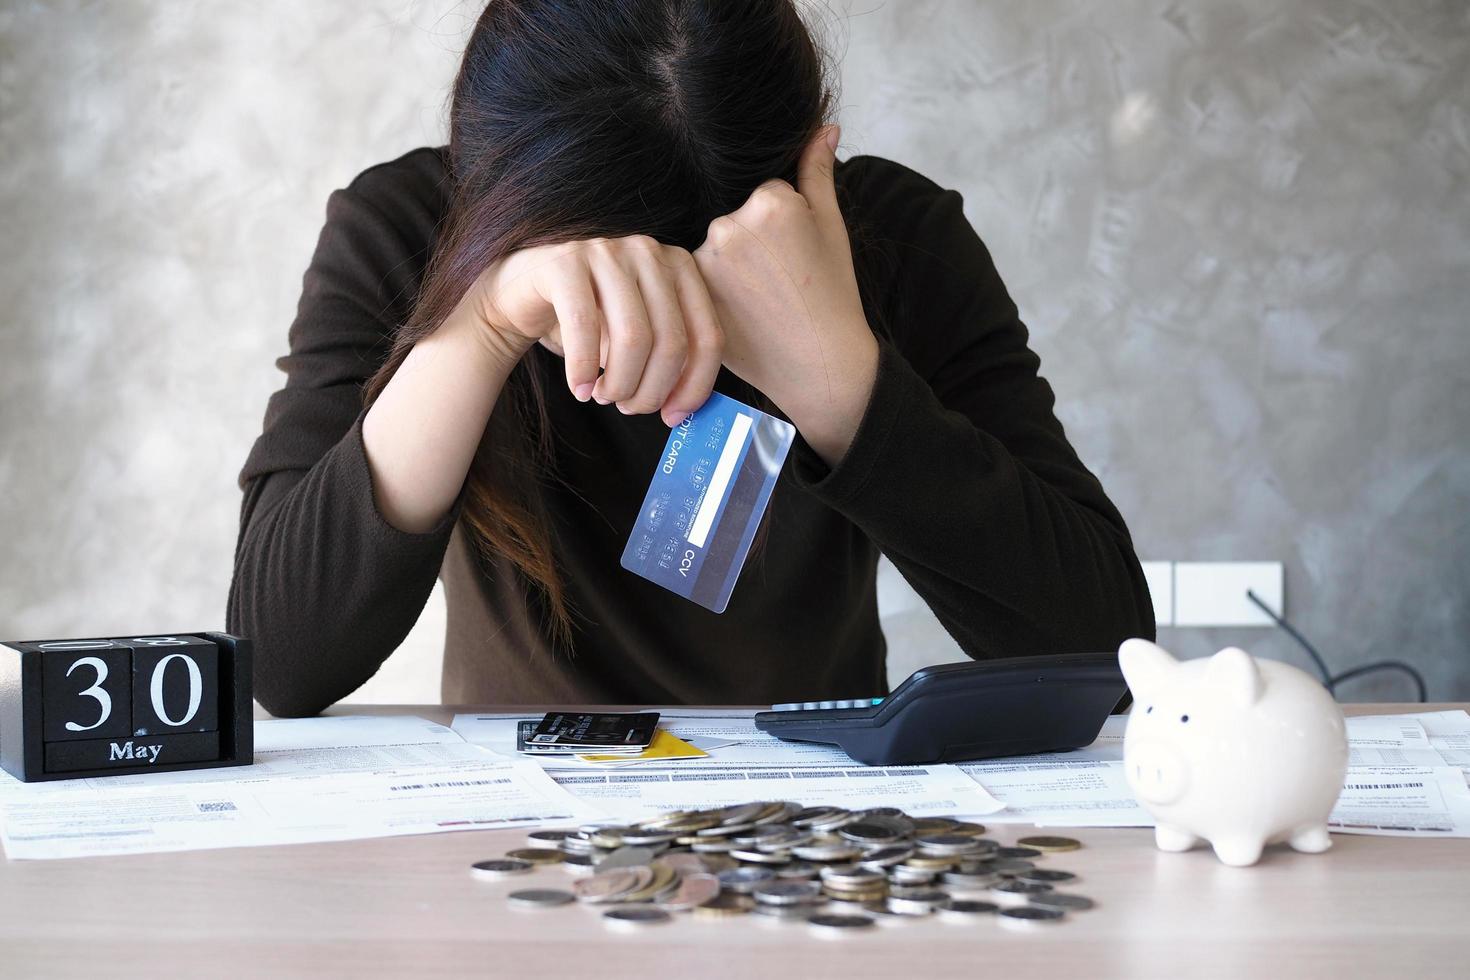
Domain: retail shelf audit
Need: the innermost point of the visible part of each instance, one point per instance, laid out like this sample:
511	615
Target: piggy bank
1233	750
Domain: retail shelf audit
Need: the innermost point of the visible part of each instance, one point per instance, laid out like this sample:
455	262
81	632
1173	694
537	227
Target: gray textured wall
1238	229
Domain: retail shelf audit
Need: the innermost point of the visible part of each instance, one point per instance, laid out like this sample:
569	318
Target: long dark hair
572	119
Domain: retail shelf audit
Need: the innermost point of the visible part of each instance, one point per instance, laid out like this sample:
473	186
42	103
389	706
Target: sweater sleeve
961	473
323	584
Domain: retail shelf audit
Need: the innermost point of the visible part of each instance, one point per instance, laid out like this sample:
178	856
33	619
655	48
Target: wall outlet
1210	593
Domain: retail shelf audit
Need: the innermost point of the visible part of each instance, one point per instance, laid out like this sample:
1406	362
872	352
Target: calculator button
808	705
793	706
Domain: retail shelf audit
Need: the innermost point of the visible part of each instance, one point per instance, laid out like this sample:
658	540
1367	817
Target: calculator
975	710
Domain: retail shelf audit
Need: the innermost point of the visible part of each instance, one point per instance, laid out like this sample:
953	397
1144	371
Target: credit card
709	490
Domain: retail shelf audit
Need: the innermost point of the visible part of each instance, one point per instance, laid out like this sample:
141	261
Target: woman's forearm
421	433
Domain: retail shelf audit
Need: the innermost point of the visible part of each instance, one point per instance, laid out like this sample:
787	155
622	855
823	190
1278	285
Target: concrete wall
1238	229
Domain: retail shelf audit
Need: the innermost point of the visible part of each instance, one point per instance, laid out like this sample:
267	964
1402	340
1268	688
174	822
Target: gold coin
663	877
928	862
967	829
1042	843
932	825
723	906
536	855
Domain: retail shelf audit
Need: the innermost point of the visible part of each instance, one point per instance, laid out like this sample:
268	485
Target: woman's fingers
629	331
666	357
639	311
580	325
706	345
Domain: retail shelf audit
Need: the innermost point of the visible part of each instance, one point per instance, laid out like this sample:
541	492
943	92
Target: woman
640	203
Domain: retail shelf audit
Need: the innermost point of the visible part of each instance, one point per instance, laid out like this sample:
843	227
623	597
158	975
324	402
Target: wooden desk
407	907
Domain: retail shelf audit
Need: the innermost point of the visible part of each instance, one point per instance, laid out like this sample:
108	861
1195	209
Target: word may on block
73	708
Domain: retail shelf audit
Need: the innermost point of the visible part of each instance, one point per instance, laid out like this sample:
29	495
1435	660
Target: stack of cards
573	733
604	739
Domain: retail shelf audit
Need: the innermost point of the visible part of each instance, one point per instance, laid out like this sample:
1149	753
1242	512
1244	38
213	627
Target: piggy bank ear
1146	666
1233	674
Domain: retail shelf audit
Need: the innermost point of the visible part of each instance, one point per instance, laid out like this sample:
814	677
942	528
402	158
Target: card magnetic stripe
734	527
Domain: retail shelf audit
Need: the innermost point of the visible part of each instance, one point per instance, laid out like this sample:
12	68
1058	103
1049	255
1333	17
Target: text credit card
708	493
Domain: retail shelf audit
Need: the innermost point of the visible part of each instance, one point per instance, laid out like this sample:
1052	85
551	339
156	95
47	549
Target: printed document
745	764
317	779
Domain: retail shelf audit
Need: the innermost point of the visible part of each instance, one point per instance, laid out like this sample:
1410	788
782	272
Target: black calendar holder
163	704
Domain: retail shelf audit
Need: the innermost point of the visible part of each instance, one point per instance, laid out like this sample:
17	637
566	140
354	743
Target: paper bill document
317	779
747	765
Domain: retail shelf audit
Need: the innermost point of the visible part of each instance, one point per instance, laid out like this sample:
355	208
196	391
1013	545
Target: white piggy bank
1237	751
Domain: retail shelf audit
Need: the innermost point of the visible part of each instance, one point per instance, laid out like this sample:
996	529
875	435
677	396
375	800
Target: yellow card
663	746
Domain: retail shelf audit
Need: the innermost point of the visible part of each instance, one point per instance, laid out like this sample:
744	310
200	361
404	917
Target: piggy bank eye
1184	718
1150	710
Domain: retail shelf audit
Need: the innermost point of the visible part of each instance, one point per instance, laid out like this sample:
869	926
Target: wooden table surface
407	907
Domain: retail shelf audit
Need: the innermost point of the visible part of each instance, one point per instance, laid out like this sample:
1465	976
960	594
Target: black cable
1328	680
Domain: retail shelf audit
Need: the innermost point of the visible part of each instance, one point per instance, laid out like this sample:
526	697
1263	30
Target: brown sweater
960	473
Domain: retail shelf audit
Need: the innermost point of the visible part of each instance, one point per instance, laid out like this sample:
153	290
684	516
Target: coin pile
837	870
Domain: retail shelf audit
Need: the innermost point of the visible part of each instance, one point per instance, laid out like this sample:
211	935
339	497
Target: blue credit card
708	493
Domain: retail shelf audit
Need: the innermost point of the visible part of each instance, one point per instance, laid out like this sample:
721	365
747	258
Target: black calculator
976	710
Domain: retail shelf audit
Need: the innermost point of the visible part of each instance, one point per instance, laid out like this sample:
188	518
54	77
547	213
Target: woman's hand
781	276
632	306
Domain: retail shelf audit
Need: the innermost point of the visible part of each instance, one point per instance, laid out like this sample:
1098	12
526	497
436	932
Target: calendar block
96	707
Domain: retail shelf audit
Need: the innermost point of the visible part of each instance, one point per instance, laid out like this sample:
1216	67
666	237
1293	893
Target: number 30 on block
72	708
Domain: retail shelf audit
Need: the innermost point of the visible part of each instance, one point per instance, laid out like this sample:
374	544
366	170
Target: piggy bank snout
1158	771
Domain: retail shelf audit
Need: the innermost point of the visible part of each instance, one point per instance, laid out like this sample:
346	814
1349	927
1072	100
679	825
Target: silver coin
827	852
966	910
788	837
500	868
833	821
725	830
646	838
867	832
797	871
626	857
851	876
635	917
885	811
921	903
808	815
742	880
760	832
537	837
780	812
788	913
911	876
1017	852
947	844
968	885
1014	893
712	845
1046	876
760	857
786	892
885	856
540	898
579	863
742	813
1028	917
899	823
829	922
1062	900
